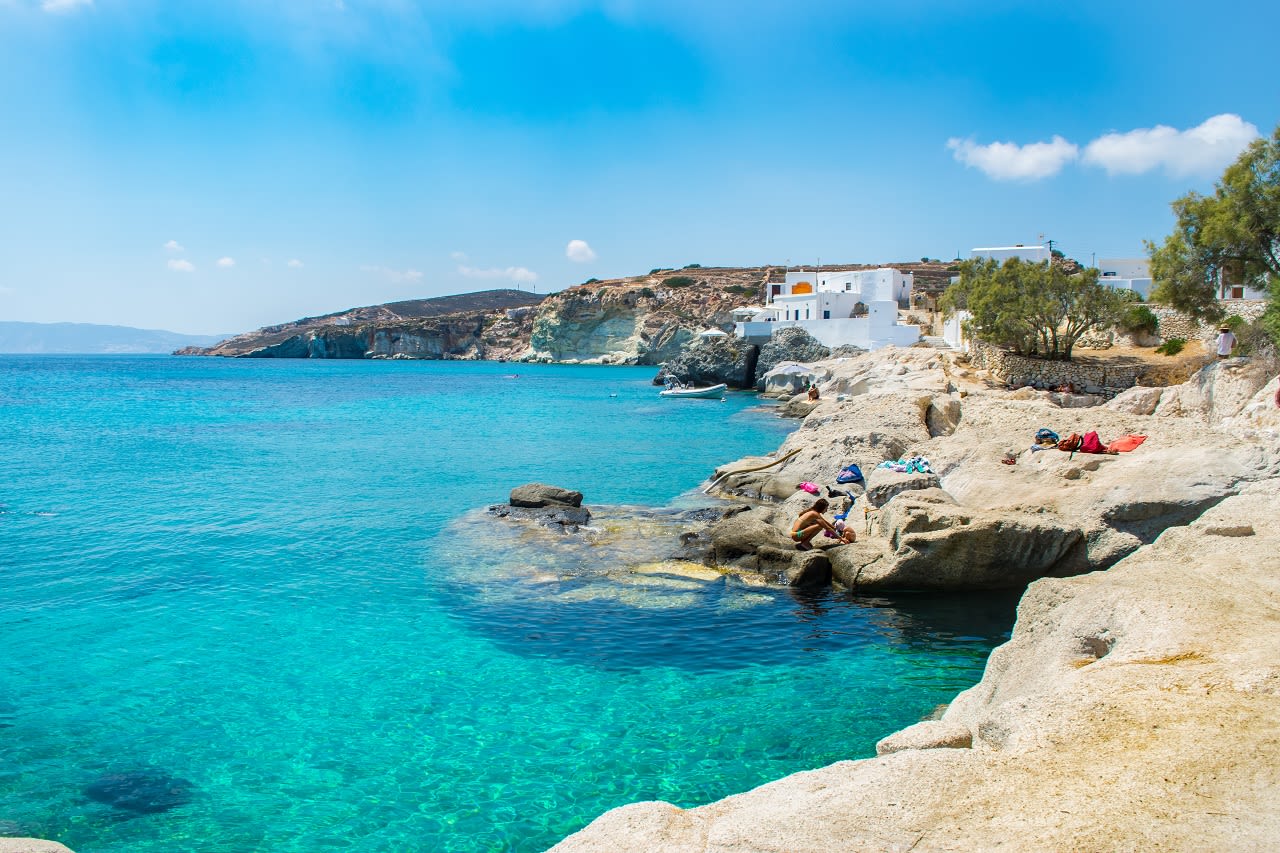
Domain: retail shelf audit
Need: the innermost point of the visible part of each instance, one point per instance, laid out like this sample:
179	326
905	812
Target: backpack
849	474
1091	443
1044	434
1071	443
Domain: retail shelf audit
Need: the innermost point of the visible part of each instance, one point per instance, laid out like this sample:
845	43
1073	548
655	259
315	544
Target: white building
1035	254
838	308
1126	274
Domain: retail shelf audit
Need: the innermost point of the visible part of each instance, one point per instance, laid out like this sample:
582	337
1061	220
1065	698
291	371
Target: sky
212	166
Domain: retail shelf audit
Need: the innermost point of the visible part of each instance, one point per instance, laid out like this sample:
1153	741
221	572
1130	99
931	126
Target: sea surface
256	605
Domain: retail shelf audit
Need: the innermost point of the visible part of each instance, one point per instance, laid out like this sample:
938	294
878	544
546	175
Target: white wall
1140	286
1124	268
953	331
1036	254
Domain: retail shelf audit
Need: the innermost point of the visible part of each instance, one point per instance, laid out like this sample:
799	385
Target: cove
251	575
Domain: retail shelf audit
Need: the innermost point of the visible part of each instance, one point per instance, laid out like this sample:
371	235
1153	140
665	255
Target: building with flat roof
837	307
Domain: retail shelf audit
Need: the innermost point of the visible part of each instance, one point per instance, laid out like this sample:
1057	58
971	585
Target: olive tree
1036	309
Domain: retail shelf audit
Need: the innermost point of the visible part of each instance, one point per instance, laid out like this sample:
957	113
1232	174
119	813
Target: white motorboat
684	391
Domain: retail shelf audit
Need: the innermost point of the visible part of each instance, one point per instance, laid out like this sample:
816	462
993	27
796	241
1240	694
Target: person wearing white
1226	342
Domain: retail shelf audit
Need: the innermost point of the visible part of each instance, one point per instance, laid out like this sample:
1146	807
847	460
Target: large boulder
537	495
789	344
931	544
738	539
31	845
1218	390
712	361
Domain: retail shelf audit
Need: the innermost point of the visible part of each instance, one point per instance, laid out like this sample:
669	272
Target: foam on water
243	605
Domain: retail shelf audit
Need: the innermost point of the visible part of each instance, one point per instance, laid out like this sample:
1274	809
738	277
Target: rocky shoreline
1136	704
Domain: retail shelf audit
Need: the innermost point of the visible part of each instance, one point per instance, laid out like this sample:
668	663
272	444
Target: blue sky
211	167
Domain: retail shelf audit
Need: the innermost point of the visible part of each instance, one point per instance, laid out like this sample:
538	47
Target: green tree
1234	232
1032	308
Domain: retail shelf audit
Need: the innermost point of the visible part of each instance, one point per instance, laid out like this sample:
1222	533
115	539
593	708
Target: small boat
684	391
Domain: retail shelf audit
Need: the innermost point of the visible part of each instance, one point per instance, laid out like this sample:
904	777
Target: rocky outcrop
536	495
991	525
710	362
791	344
641	320
1132	709
546	506
927	544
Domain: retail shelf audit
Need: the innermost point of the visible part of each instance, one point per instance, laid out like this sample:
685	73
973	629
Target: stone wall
1018	370
1175	324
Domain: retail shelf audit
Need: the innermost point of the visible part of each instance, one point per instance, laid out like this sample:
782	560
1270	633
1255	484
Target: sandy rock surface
1058	513
1136	708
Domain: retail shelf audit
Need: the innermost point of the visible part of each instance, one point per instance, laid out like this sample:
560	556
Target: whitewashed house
1126	274
1035	254
836	307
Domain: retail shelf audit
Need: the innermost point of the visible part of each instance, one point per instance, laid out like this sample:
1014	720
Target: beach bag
1091	443
849	474
1071	443
1044	435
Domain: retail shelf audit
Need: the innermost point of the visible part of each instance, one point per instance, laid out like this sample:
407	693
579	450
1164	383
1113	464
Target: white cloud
1205	149
579	252
397	276
174	246
226	262
61	6
458	256
294	263
181	265
517	274
1008	161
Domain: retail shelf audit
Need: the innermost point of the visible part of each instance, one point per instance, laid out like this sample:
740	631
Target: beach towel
1125	443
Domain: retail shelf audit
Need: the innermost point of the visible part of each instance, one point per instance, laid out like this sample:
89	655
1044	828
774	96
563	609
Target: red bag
1091	443
1070	444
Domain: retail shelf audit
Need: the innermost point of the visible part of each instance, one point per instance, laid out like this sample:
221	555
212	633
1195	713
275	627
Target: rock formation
1133	708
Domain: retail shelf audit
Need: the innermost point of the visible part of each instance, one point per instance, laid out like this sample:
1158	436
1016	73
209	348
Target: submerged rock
141	791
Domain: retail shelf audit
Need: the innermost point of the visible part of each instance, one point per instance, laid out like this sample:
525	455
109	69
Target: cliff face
640	320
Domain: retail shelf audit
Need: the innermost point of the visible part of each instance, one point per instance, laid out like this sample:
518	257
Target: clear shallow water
250	579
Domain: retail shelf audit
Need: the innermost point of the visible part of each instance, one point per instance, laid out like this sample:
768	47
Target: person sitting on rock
813	393
812	521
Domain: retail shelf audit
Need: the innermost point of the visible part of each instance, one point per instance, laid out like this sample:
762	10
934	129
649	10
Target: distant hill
288	340
92	339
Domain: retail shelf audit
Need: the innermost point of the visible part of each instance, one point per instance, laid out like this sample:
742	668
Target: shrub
677	281
693	266
591	281
1173	346
740	288
657	270
1137	319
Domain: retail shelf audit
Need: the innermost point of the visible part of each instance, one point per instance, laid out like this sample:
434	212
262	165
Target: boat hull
696	393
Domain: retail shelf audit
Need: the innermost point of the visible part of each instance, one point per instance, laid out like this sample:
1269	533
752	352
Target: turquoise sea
252	605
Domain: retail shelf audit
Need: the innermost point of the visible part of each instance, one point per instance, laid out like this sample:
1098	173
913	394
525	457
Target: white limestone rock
930	734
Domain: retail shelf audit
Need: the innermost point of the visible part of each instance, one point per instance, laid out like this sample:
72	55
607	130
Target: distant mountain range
91	339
